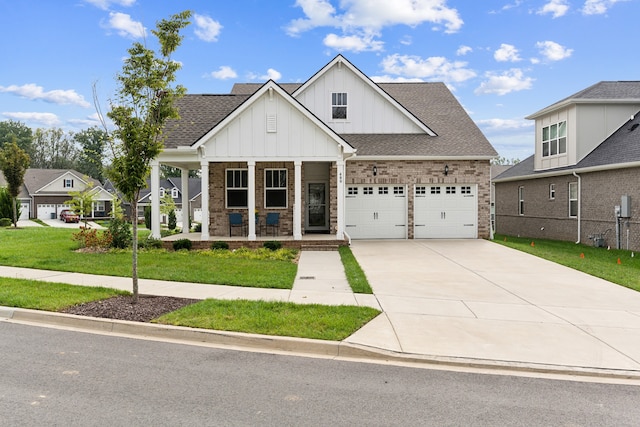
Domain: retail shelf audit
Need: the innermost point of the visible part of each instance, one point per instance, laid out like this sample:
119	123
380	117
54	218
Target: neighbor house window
237	188
162	192
520	200
339	105
554	139
552	191
275	188
68	183
99	206
174	193
573	199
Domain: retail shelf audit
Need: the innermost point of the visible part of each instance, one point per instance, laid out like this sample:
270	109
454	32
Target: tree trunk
15	212
134	251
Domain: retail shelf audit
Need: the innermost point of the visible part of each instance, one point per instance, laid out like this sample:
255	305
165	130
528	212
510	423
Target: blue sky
503	59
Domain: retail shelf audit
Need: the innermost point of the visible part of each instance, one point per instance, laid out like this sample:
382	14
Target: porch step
320	247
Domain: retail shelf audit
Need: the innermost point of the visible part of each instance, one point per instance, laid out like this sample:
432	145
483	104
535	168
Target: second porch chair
235	220
273	221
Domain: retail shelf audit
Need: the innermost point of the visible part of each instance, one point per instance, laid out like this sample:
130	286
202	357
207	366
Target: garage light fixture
446	170
375	170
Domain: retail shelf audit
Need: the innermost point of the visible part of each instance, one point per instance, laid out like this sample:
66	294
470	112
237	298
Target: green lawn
52	248
598	262
355	276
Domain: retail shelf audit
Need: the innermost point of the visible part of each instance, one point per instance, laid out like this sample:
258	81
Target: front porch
317	242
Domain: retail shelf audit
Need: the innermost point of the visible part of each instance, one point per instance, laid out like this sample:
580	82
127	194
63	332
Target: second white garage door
445	212
376	212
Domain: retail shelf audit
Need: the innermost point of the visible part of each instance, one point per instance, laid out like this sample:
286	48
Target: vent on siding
272	123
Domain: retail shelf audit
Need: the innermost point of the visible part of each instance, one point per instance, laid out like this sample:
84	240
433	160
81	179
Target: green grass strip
355	276
48	296
273	318
617	266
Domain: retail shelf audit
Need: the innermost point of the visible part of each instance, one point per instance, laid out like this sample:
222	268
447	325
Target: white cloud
395	79
506	53
106	4
433	68
319	13
598	7
92	120
352	43
553	51
406	40
35	92
125	26
271	74
223	73
46	119
499	125
501	84
556	8
206	28
463	50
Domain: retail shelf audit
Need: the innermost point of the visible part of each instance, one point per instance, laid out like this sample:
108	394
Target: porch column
204	198
340	194
251	204
297	200
155	200
186	209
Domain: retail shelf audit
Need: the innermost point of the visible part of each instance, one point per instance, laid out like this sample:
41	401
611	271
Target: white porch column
155	200
186	209
251	214
340	179
204	199
297	200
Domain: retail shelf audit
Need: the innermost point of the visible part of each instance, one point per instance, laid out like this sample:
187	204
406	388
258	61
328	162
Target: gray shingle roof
432	103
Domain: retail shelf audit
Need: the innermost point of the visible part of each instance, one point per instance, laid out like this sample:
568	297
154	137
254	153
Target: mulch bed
121	307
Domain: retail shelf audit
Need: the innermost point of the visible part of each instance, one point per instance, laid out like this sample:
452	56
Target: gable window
68	183
174	193
275	188
520	200
339	105
552	191
573	199
162	193
554	139
237	188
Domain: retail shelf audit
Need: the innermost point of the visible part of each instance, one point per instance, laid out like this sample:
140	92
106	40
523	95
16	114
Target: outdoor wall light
375	170
446	170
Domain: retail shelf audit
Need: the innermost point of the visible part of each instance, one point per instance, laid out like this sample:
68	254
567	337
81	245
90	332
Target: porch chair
235	220
273	221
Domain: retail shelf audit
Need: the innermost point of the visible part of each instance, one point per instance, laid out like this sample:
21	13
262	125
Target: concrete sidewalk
462	303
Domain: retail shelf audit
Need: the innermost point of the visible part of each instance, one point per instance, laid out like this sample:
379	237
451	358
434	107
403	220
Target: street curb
299	346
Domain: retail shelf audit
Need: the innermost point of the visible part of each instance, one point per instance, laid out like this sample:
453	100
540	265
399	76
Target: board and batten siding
367	110
294	135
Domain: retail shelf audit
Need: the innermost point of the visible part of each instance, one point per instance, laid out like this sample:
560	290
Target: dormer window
339	105
161	192
174	193
554	139
68	183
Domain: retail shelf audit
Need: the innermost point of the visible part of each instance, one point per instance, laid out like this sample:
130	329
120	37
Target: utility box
625	207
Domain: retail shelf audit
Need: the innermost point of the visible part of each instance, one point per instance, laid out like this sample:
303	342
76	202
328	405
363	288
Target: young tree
82	201
14	162
143	103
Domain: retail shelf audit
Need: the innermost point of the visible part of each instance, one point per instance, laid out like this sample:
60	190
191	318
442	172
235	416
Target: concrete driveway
478	300
57	223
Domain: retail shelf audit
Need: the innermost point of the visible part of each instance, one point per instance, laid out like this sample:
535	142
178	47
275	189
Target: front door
317	214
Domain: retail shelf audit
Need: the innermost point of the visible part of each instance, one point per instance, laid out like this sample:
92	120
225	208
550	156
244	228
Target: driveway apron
478	300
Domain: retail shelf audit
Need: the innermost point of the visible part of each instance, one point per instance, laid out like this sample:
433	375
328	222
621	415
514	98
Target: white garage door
376	212
45	211
445	212
24	211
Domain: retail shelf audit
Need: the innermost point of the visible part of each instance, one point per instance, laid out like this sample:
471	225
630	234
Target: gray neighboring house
338	154
45	193
583	182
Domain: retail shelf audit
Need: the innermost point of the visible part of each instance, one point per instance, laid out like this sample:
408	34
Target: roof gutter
579	205
570	171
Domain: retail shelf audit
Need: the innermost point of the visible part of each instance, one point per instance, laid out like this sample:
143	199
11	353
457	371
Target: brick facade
549	218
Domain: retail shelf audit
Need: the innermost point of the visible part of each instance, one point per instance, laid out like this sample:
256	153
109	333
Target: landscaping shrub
197	227
273	245
92	238
173	221
151	243
5	222
147	217
182	244
220	245
120	233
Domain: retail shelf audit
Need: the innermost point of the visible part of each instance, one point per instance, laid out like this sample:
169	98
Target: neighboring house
173	186
45	192
338	154
580	183
495	171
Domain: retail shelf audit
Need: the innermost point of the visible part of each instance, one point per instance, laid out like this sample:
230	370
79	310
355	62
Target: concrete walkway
468	302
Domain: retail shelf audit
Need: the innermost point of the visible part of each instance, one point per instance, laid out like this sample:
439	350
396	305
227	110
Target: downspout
579	204
351	156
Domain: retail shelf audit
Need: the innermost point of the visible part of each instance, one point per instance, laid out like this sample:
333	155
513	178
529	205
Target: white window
174	193
552	191
237	188
162	193
554	139
521	200
99	206
339	105
68	183
275	188
573	199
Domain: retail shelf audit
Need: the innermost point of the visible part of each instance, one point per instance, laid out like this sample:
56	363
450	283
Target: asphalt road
51	377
